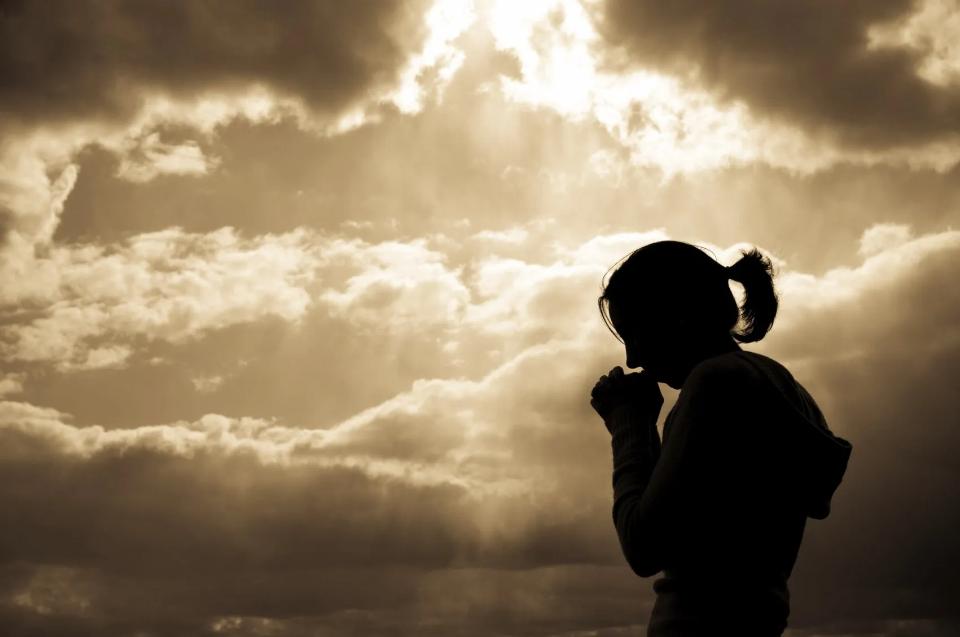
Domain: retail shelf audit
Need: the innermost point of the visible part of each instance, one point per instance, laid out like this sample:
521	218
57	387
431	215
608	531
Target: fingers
612	381
600	408
614	375
616	386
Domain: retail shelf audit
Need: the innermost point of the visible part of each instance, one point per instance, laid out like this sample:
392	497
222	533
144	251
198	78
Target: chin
657	376
668	379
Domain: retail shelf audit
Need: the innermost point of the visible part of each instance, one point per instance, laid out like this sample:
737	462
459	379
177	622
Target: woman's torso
736	552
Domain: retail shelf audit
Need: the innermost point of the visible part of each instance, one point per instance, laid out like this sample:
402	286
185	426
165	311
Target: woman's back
758	460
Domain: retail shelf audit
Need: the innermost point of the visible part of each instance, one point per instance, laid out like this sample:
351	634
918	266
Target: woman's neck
700	351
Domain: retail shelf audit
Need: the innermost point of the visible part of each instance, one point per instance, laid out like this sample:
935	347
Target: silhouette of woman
720	504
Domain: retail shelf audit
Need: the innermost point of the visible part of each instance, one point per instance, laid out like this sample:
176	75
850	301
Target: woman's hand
616	389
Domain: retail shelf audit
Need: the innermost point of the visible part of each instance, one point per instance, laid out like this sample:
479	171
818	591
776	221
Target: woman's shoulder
720	389
733	367
749	377
719	383
741	375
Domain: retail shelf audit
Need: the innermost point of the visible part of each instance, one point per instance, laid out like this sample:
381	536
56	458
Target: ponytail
755	272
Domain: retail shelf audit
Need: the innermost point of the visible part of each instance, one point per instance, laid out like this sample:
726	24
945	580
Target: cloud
807	64
11	383
38	172
899	298
514	235
154	157
396	286
439	477
206	384
94	61
882	236
666	119
93	302
932	30
158	110
93	307
664	124
118	83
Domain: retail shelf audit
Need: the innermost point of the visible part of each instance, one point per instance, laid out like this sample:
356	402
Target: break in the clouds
150	83
670	108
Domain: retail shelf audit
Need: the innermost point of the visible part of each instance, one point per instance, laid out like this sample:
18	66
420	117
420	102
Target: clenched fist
616	389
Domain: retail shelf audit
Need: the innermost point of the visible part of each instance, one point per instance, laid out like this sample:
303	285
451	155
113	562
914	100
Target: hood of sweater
812	458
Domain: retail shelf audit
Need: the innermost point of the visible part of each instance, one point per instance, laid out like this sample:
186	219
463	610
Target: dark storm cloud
173	515
55	600
146	533
65	59
295	602
803	62
890	550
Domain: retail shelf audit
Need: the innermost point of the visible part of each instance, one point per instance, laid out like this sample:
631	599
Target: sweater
719	506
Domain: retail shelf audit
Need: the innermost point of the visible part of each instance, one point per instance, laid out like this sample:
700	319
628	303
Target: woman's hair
681	277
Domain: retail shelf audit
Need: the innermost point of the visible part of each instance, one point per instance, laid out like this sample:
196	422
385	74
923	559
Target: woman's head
670	303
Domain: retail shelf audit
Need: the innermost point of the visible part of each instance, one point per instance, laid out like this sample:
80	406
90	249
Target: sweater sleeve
654	483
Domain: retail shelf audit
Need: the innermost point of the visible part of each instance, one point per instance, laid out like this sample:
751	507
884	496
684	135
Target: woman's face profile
642	345
665	343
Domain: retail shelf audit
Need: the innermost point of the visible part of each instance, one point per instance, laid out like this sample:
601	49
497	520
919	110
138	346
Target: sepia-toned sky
298	314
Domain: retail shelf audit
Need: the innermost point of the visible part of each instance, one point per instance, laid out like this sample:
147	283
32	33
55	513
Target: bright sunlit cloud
664	122
933	30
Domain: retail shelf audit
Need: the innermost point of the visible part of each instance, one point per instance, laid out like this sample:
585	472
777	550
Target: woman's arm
657	487
636	451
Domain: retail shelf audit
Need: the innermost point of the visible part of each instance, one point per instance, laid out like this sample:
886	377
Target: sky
298	315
